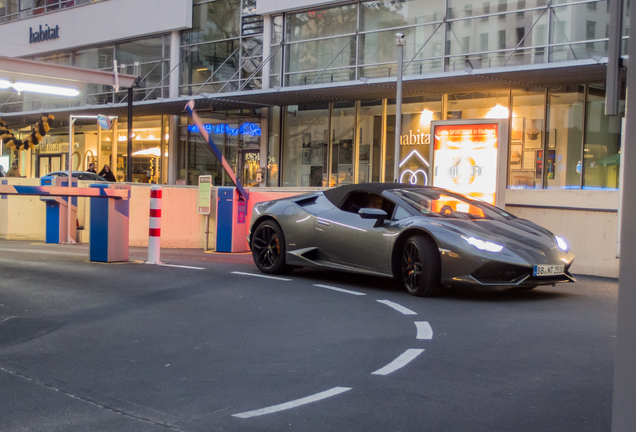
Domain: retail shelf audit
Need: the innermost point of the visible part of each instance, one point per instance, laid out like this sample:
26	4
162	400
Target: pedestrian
91	168
14	171
107	174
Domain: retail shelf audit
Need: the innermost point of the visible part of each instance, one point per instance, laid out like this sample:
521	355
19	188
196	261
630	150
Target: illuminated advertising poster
465	159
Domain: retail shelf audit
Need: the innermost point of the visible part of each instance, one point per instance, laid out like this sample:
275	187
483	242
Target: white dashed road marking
340	290
405	358
262	276
180	266
398	307
293	404
424	330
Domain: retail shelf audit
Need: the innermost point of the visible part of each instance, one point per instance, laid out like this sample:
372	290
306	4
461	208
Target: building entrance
49	164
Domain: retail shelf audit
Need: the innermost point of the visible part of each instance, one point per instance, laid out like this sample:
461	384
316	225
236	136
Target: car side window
401	213
358	200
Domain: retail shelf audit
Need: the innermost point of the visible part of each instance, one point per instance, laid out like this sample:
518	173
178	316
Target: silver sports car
429	238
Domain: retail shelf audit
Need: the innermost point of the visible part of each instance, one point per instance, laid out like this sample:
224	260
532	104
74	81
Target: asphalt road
137	347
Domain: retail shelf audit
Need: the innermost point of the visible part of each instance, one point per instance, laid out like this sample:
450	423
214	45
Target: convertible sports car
429	238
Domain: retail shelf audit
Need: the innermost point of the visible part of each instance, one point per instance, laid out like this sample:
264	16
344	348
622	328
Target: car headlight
483	244
561	244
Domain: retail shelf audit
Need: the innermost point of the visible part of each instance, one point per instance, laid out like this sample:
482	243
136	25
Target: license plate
548	270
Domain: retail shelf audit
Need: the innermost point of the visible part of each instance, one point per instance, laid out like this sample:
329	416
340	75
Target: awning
525	77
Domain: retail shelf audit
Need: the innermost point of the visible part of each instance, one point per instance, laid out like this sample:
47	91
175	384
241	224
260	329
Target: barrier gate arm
61	191
206	136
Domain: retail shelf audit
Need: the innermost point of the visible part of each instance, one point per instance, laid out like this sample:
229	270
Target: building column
173	92
267	37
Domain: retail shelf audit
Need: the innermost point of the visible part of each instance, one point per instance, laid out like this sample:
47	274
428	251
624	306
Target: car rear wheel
268	248
420	267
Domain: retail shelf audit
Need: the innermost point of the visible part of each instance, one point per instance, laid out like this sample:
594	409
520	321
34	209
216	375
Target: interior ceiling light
498	112
45	89
4	84
426	117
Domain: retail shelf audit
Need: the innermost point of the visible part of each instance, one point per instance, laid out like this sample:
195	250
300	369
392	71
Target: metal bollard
154	231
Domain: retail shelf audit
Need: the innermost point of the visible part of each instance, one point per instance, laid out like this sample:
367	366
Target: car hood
532	243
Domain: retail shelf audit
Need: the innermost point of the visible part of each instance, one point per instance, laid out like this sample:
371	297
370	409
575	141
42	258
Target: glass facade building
286	72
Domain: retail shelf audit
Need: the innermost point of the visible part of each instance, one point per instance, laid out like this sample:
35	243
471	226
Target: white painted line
405	358
424	330
340	289
293	404
398	307
45	252
262	276
179	266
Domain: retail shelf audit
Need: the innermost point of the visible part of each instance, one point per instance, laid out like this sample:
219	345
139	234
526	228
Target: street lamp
400	41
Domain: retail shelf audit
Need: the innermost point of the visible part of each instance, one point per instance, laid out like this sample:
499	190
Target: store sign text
251	129
420	138
48	33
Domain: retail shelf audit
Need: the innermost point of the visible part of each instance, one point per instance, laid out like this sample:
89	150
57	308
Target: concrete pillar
623	413
173	122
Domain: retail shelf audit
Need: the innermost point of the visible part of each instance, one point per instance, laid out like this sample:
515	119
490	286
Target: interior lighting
155	151
561	243
483	244
498	112
121	138
4	84
45	89
426	117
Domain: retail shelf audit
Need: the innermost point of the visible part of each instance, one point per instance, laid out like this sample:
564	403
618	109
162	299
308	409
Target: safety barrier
109	215
154	226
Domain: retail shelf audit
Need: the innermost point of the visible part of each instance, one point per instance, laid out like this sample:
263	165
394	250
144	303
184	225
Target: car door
343	237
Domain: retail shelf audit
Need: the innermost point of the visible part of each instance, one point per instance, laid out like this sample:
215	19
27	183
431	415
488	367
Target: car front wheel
268	248
420	267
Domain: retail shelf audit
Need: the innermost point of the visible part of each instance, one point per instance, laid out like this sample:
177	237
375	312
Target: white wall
96	23
588	220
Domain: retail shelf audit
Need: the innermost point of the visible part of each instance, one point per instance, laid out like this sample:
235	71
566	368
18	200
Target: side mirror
372	213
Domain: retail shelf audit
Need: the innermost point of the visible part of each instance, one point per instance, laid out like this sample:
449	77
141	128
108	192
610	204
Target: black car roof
338	194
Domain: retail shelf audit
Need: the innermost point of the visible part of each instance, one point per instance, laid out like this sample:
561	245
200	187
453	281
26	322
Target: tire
268	248
420	267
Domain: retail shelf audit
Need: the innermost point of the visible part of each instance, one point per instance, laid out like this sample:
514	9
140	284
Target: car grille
494	272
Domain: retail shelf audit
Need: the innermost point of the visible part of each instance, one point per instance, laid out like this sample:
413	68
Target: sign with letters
205	195
44	34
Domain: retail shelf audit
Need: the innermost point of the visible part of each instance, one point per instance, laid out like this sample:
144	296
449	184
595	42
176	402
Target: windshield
436	203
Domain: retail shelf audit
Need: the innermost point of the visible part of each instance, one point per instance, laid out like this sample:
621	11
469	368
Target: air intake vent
307	201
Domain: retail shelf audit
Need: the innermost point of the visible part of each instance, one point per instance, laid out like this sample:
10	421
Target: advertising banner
465	159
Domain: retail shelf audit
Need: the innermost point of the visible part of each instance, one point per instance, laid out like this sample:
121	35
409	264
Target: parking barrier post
154	230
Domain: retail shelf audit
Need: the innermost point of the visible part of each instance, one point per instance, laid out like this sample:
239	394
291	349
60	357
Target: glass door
250	162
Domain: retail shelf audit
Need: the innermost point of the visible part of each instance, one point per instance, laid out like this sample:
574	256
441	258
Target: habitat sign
44	34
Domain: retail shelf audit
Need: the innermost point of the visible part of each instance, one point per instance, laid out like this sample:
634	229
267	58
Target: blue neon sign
251	129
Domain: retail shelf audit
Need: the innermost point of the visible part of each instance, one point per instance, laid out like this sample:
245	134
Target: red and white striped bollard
154	231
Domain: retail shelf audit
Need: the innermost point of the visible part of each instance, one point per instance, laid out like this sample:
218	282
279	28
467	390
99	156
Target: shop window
526	149
306	145
565	130
601	151
370	129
